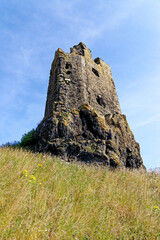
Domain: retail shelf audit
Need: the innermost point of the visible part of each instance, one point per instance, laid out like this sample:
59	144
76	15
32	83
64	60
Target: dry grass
55	200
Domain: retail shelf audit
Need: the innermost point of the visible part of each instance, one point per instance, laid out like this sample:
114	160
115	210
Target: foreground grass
42	198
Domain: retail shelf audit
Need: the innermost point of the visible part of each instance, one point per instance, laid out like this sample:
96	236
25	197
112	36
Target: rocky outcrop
83	119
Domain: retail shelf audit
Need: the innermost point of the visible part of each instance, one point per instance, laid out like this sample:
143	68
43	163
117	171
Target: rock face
83	119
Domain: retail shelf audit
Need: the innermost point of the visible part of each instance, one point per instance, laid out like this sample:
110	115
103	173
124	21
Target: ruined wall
76	79
83	119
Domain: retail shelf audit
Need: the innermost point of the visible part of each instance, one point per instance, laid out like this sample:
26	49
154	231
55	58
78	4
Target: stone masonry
83	119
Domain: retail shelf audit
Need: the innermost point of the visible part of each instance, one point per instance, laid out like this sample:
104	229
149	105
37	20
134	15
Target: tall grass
42	198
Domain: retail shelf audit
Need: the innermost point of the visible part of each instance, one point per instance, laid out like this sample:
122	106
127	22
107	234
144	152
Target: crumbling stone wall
83	119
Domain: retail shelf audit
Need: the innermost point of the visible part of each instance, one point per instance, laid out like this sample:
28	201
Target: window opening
68	72
95	72
100	101
68	65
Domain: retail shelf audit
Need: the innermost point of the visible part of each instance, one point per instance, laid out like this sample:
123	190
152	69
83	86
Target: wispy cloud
89	20
150	120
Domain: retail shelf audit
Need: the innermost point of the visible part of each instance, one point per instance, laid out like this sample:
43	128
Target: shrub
28	140
10	144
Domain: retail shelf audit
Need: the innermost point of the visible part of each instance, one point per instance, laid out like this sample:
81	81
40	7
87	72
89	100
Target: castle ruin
83	119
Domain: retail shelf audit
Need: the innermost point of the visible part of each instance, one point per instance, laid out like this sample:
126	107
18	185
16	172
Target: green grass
45	198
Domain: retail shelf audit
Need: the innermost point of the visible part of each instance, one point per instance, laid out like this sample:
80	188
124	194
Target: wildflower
155	207
40	165
33	177
24	172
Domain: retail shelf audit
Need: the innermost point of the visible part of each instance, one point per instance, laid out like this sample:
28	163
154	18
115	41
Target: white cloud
91	21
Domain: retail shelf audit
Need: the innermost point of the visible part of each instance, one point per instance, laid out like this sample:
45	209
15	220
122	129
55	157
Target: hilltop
46	198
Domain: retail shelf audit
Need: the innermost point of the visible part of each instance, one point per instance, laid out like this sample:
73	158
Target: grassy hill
42	198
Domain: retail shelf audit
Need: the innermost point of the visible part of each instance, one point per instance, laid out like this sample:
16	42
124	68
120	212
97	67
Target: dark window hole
95	72
68	65
100	101
97	60
68	72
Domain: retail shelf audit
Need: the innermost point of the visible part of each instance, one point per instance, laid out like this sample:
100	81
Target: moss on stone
94	113
85	106
66	118
102	122
118	131
90	148
75	111
114	158
111	144
65	122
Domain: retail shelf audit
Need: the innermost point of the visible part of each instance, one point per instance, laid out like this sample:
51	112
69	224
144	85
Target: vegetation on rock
28	140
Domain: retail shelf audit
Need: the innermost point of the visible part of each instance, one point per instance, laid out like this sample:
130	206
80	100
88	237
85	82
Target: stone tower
83	119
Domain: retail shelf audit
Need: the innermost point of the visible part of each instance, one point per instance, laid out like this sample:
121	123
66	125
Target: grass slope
42	198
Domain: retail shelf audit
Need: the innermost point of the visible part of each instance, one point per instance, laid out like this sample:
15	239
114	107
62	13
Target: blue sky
125	34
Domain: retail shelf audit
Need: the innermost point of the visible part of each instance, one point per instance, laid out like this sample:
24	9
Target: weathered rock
83	119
